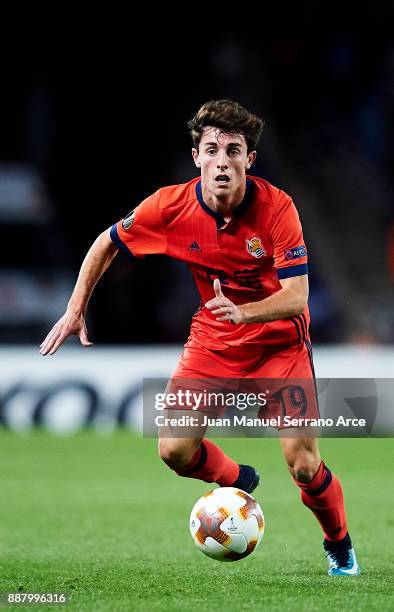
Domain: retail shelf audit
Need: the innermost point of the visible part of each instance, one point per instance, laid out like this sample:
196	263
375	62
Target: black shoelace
341	557
339	550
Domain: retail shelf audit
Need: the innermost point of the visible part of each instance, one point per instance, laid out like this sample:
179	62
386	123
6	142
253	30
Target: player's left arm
289	301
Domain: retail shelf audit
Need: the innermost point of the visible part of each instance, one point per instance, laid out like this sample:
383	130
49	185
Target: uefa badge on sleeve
128	220
296	253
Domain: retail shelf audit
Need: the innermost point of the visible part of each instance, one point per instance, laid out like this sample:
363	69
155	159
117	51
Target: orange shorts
248	361
285	375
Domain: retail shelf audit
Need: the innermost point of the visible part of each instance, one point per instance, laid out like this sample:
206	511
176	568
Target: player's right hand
70	324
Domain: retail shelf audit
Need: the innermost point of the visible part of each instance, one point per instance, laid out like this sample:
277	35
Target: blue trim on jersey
219	219
238	211
292	271
310	353
117	241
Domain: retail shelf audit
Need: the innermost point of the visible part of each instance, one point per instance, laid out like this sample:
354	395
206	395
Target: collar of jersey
238	211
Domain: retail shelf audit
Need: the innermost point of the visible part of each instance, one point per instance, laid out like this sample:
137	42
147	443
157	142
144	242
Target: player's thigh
199	363
198	371
286	375
288	362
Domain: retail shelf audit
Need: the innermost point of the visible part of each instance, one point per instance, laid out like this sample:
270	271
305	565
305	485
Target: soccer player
242	239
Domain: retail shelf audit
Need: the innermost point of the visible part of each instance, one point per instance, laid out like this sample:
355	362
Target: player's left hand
222	307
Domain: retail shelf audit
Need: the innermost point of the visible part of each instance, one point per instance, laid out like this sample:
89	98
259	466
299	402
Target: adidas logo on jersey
194	247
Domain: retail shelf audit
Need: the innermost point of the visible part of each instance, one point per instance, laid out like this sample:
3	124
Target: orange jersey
261	244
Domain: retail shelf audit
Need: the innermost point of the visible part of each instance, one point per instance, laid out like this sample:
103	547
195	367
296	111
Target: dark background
99	114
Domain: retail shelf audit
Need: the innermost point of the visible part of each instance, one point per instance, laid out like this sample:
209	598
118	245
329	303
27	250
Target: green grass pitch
102	519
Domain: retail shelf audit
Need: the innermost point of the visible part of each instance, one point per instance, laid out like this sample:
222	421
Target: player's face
224	160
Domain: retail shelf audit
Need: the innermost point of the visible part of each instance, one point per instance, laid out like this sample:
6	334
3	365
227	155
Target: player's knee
303	466
174	454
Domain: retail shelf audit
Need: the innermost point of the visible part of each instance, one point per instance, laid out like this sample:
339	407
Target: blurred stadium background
91	123
88	132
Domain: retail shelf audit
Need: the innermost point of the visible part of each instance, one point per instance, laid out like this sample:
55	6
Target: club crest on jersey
128	220
254	247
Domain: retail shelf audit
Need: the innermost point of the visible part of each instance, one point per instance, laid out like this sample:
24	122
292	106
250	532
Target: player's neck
224	204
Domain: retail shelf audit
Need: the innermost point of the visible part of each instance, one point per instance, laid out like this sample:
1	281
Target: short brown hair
227	116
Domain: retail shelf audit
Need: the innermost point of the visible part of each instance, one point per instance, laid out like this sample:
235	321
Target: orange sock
211	465
324	496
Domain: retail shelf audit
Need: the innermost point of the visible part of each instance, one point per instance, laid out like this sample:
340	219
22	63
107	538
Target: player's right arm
140	233
72	323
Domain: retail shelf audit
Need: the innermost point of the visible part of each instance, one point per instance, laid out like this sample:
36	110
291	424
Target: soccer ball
227	524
